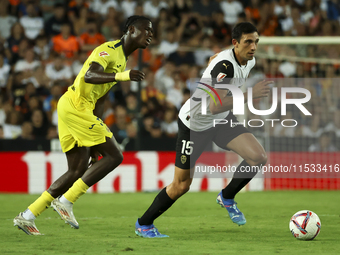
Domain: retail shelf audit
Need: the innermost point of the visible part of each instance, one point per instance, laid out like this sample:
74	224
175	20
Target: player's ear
132	29
234	42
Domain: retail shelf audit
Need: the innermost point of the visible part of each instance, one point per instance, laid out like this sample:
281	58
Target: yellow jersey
111	57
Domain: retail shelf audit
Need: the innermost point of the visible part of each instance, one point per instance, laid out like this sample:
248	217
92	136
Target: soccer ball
305	225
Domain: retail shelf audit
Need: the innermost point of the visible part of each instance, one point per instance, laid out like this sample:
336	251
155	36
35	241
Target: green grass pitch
195	224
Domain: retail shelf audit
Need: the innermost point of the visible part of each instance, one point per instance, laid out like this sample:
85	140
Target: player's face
143	34
246	47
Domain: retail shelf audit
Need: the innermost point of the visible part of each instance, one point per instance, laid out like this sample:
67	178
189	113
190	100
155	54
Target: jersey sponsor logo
220	77
119	66
103	53
111	47
92	126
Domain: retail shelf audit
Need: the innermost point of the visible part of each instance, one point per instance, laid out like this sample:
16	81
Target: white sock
28	215
63	200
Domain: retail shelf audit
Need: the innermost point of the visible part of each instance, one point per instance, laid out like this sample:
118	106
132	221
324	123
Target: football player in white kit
196	129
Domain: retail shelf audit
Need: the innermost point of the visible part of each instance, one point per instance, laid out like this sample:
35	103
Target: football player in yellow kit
82	133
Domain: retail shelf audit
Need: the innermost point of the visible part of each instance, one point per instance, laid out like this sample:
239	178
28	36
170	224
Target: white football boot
65	212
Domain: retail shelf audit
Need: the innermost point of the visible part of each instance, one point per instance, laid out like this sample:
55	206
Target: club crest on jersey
103	53
220	77
183	159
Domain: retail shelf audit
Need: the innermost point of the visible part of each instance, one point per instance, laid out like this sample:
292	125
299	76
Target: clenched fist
136	75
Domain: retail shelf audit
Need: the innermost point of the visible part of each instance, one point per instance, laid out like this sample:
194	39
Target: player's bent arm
221	73
260	90
227	102
96	75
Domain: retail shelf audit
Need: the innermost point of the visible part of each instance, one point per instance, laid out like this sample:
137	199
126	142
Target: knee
116	159
182	187
261	158
119	157
258	158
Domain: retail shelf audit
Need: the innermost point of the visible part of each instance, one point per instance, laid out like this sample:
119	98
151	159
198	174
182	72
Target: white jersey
223	69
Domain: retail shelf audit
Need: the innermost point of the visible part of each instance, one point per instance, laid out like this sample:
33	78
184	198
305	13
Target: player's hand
261	89
136	75
212	57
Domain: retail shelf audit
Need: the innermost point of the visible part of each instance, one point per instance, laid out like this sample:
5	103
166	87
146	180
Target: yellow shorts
79	127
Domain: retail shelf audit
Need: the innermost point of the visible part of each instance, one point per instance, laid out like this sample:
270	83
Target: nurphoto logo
238	104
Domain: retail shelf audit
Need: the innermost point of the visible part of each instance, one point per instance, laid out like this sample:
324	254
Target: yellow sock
78	188
41	204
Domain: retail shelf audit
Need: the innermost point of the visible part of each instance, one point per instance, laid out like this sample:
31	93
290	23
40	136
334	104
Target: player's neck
240	61
128	46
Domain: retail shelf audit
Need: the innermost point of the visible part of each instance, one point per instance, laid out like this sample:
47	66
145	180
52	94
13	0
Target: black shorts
190	144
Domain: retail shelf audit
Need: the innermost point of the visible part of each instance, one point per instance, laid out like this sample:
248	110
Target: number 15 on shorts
187	147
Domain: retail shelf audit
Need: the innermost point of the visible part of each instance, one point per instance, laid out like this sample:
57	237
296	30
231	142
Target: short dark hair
132	20
242	28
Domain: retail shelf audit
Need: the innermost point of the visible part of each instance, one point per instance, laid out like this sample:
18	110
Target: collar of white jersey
244	66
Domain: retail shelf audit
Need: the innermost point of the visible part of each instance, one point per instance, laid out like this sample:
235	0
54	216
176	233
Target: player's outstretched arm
96	75
227	102
99	107
260	90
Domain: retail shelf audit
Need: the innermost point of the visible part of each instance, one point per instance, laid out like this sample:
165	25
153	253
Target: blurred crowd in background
45	43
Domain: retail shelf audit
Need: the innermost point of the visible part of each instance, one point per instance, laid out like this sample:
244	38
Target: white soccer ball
305	225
